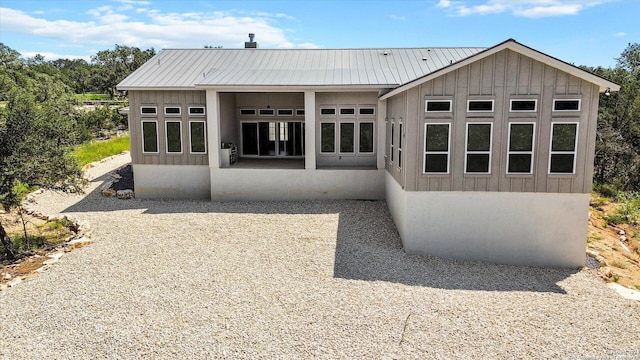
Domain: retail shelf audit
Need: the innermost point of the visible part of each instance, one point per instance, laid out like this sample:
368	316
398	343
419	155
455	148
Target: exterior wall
160	99
531	229
339	100
501	77
286	184
172	181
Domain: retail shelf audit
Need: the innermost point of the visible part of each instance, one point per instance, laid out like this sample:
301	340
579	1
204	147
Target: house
480	153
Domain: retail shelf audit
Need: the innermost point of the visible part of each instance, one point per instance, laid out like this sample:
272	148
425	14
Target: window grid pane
563	148
436	148
328	137
347	137
149	136
520	151
197	139
366	137
174	141
478	148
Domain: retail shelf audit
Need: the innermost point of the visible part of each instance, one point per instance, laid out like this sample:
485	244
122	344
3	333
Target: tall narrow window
478	148
562	157
366	137
347	136
174	136
520	148
327	137
197	137
149	136
436	149
393	127
399	145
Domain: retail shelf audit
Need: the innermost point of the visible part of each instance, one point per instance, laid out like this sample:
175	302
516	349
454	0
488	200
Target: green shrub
627	210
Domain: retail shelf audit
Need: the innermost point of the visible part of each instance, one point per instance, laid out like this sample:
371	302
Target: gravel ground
317	279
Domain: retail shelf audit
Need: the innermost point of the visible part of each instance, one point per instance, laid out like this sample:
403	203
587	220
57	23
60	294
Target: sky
582	32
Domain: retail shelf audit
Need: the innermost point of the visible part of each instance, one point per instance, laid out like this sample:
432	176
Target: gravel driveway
318	279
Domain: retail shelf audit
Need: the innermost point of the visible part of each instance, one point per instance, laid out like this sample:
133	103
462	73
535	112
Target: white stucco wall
537	229
172	181
296	184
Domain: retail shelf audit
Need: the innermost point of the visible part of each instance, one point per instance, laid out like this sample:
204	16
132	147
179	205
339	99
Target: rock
109	193
3	286
38	192
14	282
622	232
79	242
106	185
30	199
87	167
115	176
623	238
6	276
125	194
606	273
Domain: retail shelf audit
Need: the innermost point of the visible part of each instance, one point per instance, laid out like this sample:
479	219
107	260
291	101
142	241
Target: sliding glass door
273	138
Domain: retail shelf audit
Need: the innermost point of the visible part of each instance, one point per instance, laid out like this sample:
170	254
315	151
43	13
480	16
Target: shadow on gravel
368	246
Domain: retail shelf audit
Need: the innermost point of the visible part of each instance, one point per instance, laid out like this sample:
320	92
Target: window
523	105
480	105
149	137
562	157
367	111
347	111
172	110
248	112
399	145
327	137
347	137
174	136
197	110
327	111
266	112
520	148
438	105
197	137
366	137
566	105
478	148
285	112
393	128
148	110
436	149
299	112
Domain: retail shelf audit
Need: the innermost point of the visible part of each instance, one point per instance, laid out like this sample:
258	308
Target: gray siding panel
502	77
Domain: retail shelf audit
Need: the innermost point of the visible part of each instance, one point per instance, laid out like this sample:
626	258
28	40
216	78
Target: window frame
347	111
254	112
335	128
278	112
155	110
556	152
392	143
372	108
166	137
492	101
300	112
204	123
399	162
266	112
572	110
478	152
179	113
425	152
426	106
155	122
373	137
204	110
535	105
332	108
531	152
353	140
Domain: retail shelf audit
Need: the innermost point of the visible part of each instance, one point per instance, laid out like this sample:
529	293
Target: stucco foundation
296	184
537	229
171	181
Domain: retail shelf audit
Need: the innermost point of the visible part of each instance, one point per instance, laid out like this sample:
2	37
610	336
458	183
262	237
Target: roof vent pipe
251	44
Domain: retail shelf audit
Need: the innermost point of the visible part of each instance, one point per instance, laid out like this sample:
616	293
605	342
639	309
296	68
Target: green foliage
97	150
90	122
112	66
627	209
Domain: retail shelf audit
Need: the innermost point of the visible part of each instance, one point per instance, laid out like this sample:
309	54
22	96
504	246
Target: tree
112	66
617	160
34	149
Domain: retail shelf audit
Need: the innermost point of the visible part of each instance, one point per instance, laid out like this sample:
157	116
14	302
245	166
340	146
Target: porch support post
382	133
310	130
213	128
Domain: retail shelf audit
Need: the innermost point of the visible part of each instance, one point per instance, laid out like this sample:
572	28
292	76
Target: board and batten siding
160	99
501	77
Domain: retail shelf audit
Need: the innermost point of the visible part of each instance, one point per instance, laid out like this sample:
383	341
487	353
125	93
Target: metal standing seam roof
382	68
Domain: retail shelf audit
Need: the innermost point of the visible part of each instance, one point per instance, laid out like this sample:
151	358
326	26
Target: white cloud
523	8
53	56
620	34
113	23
